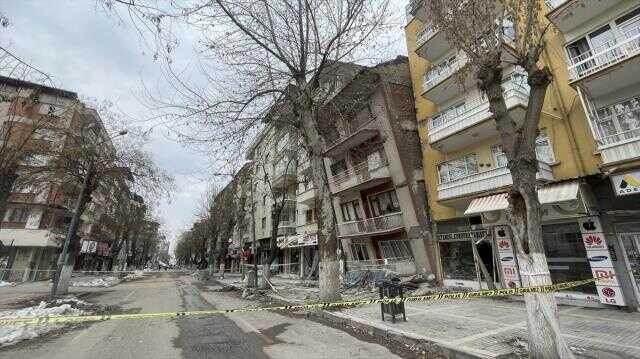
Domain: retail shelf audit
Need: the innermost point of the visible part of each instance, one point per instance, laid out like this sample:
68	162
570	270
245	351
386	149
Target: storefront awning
298	240
559	192
496	202
553	193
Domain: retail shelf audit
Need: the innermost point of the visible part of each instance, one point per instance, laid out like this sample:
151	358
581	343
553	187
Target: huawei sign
593	241
503	244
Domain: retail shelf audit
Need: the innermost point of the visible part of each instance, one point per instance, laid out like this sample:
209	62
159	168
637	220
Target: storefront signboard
611	295
605	276
626	184
510	274
593	238
599	259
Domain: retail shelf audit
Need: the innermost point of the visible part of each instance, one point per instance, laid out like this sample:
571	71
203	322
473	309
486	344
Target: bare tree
493	35
89	158
263	55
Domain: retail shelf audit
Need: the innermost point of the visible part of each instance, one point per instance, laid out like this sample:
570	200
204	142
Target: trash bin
391	289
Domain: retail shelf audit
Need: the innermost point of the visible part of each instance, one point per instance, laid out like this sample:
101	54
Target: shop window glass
457	260
566	255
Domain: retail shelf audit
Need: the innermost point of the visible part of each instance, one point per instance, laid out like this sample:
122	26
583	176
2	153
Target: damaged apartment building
374	167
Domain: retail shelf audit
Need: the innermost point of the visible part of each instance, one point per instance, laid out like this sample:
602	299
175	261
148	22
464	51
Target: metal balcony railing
622	125
473	110
425	34
552	4
349	128
372	225
620	47
357	175
486	181
438	74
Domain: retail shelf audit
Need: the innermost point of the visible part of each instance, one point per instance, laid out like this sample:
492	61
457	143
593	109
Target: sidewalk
483	328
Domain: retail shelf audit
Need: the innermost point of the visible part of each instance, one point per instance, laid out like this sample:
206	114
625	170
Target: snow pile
97	282
6	284
135	275
11	334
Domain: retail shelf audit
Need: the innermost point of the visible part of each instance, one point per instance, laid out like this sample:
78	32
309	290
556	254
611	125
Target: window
309	216
263	223
398	249
544	151
51	110
338	167
384	203
264	200
351	211
359	251
458	168
35	160
499	158
44	134
17	214
620	121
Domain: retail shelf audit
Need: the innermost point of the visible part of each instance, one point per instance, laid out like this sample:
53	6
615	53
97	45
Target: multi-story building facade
33	225
37	217
578	147
373	161
281	180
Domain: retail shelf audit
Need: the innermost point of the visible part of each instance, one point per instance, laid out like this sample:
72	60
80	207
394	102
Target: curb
415	341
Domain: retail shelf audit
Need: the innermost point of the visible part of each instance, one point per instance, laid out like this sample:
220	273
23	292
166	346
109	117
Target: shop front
576	242
298	253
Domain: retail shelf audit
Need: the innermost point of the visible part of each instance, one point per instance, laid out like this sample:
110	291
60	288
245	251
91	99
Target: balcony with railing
284	173
462	236
307	196
370	226
618	131
486	181
352	134
431	44
440	83
621	47
364	175
416	9
569	14
287	227
472	116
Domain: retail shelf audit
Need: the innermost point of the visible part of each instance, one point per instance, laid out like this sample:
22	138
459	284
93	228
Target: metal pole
253	280
73	226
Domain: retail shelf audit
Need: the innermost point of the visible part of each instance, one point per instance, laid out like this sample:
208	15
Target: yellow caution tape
322	305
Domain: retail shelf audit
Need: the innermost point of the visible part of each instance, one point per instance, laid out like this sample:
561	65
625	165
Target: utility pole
73	226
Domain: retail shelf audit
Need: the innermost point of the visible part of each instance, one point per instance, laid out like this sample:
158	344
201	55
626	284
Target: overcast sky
88	52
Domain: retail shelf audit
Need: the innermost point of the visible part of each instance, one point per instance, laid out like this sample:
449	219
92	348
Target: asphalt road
249	335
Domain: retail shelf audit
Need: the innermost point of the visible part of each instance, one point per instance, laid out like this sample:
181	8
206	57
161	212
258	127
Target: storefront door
629	235
566	255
